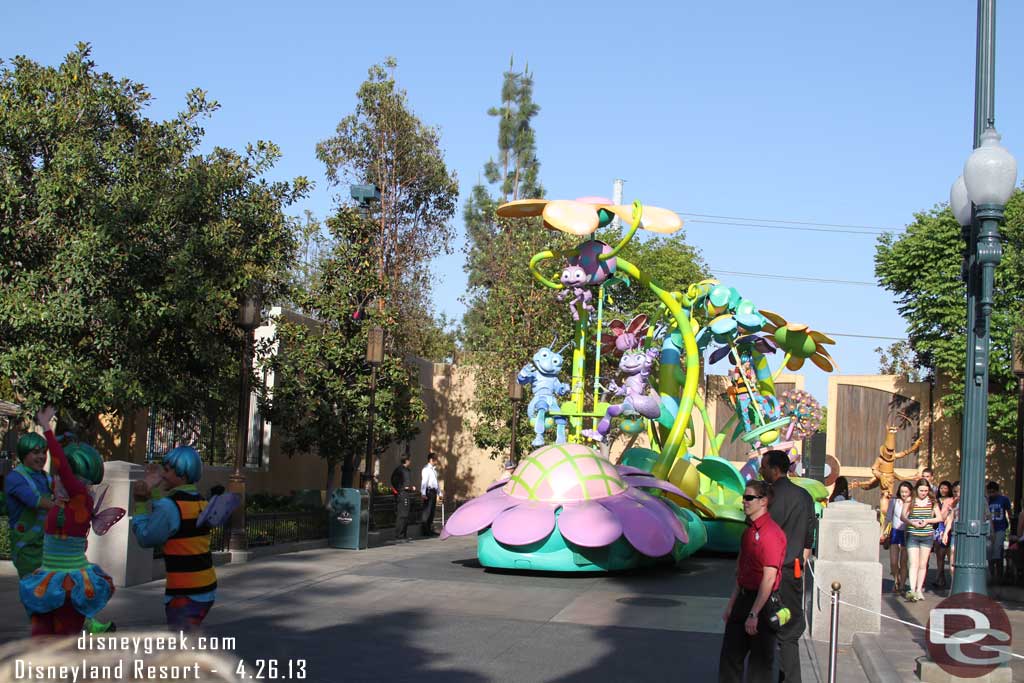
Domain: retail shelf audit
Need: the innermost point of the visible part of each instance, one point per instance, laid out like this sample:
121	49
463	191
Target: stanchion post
833	635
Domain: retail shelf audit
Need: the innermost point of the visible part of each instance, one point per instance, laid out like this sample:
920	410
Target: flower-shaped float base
567	508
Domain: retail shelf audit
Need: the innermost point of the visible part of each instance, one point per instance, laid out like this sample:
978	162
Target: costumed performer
28	491
67	588
174	522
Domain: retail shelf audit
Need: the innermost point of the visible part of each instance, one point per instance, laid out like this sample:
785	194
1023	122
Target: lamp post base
930	672
238	542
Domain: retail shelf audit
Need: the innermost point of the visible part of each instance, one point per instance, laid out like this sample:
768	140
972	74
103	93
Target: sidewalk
427	611
902	645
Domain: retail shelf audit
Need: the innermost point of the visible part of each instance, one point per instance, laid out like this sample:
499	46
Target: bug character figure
542	376
639	399
575	281
884	467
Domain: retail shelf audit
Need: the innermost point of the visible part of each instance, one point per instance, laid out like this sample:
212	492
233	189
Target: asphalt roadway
425	610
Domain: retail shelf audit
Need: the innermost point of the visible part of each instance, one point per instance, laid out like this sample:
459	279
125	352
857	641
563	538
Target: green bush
267	502
5	539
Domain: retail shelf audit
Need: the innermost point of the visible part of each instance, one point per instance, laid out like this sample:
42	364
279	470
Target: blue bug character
542	373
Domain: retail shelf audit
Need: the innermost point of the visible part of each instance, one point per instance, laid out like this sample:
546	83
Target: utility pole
617	199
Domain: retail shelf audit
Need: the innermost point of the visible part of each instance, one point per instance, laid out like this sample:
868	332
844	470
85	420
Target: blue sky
835	114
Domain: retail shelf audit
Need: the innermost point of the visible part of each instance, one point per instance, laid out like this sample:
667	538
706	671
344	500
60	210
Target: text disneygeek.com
132	665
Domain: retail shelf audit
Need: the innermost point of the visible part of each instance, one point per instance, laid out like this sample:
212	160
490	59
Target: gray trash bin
349	519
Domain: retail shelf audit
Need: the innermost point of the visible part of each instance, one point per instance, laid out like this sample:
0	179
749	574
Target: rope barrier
965	641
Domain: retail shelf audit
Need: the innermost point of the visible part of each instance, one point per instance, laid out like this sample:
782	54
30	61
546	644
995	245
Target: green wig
86	462
30	442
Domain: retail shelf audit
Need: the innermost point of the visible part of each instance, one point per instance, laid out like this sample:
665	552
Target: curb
876	665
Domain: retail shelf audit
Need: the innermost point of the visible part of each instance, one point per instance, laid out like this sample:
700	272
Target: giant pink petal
653	483
629	470
644	529
499	483
589	524
663	511
526	523
478	513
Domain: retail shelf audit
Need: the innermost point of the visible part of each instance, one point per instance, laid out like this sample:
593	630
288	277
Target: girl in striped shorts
920	517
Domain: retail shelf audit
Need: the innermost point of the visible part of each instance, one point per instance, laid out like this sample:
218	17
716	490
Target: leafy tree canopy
922	268
123	250
320	397
383	142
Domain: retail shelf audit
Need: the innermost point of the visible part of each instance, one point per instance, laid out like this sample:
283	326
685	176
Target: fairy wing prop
624	337
219	509
104	519
616	327
96	506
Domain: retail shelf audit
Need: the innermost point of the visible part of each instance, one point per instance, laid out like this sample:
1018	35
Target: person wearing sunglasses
748	634
793	510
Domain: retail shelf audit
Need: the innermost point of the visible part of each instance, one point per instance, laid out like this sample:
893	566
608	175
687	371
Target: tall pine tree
507	315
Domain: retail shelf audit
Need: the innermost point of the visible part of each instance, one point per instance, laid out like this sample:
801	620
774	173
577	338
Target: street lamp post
374	356
987	183
248	320
515	394
1018	371
364	196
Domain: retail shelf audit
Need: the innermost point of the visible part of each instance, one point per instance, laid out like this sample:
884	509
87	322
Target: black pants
429	507
736	644
404	506
791	592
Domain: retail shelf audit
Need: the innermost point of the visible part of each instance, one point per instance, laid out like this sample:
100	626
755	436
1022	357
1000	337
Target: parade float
566	506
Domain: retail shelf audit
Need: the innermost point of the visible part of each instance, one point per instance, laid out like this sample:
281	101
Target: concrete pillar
117	551
848	553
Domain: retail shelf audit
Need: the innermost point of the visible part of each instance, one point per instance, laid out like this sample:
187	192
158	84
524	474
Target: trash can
349	519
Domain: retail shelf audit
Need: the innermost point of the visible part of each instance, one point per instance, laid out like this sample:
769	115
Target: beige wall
467	470
941	432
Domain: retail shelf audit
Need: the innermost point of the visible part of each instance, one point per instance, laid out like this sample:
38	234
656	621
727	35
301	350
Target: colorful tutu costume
24	490
67	588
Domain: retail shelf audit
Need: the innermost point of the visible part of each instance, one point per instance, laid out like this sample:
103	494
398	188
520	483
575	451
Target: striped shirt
921	511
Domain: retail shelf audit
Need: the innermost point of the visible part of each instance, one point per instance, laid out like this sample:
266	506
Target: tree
670	261
123	250
899	359
922	268
508	315
384	143
321	391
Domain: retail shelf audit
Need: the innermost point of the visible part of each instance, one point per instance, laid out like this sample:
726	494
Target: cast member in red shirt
758	574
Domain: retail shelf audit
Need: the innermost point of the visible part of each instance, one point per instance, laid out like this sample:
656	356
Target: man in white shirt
430	489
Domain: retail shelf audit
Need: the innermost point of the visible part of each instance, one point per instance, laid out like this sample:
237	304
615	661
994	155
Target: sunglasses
748	497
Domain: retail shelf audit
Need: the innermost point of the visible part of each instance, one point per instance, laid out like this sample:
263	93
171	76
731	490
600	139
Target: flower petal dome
558	473
573	490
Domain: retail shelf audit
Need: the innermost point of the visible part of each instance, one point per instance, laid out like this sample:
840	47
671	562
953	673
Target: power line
866	233
780	220
864	336
795	278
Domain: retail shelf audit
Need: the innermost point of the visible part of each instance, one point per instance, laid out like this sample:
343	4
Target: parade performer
181	521
67	588
28	491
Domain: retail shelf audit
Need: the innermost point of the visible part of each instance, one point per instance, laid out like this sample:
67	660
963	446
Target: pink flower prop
571	487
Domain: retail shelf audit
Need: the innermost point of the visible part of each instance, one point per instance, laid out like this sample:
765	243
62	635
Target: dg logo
969	635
